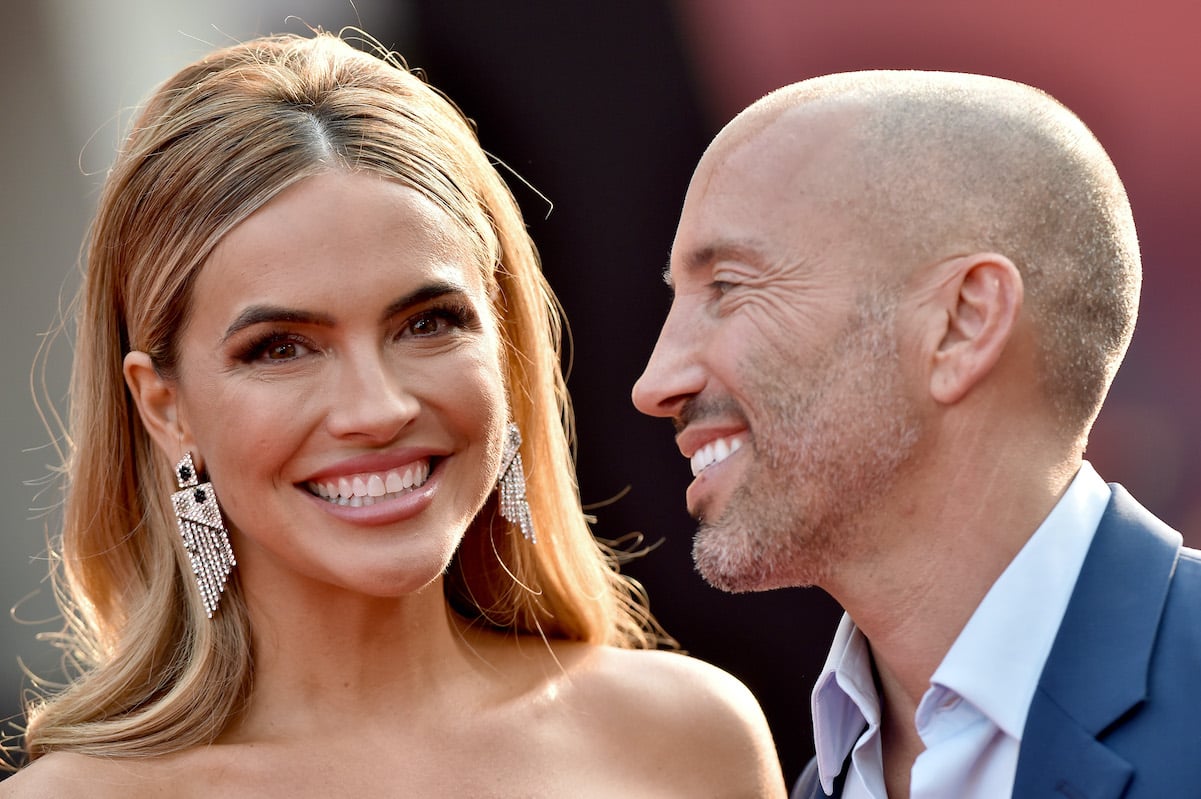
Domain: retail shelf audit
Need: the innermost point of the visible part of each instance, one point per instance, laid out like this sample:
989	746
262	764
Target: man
899	301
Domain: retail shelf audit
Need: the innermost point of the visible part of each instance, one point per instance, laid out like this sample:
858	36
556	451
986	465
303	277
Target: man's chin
728	567
738	561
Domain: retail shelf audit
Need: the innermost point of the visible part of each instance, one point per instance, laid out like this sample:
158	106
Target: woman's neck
323	653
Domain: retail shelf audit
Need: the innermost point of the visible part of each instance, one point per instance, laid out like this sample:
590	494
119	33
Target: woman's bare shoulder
667	682
669	703
71	774
67	774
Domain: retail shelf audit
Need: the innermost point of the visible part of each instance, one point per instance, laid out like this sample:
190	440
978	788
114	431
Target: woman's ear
980	300
157	401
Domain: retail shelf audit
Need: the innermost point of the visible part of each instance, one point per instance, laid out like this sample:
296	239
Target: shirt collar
844	700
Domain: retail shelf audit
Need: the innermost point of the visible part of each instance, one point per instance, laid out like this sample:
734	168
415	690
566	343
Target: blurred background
604	108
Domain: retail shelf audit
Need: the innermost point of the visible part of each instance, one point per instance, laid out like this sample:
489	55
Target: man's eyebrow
734	250
278	314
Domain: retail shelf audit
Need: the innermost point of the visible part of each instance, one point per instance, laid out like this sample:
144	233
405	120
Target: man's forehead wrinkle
789	270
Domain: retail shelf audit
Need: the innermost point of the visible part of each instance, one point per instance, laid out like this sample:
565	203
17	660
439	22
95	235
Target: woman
312	335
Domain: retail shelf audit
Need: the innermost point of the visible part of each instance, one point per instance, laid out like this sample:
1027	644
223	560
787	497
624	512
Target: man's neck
932	562
912	595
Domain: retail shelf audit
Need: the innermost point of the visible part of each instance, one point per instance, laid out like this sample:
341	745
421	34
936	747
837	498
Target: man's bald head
940	164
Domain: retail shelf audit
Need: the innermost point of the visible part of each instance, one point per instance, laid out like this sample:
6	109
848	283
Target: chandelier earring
511	485
203	532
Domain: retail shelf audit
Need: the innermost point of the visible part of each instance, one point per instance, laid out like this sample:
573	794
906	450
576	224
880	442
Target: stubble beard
830	439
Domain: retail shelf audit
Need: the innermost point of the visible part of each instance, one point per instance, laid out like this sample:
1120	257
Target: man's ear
979	300
157	400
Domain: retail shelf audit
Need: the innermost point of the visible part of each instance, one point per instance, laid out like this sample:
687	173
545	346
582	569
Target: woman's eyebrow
262	314
430	291
277	314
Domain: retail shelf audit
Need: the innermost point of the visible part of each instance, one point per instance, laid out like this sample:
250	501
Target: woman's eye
274	349
427	325
435	322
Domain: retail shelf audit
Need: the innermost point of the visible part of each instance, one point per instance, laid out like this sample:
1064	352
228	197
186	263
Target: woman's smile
343	350
375	495
388	508
365	488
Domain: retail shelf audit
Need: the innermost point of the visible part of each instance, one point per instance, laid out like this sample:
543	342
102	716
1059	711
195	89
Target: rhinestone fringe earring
204	534
511	485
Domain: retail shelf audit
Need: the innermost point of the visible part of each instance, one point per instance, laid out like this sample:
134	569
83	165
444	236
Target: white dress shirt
971	718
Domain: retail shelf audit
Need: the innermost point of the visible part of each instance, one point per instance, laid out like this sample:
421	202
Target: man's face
778	363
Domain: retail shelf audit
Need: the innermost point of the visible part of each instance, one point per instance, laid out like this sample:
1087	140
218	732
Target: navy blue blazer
1117	711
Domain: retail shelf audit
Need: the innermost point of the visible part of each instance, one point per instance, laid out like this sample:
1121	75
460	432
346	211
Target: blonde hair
215	143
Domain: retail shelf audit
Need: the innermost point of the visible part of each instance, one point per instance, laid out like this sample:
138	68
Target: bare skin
465	712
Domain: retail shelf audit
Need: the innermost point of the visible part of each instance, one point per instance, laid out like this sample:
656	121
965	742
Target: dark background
605	107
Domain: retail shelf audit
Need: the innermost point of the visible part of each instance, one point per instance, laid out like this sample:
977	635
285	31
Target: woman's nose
370	399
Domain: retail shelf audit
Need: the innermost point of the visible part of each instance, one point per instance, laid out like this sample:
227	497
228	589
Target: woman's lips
366	488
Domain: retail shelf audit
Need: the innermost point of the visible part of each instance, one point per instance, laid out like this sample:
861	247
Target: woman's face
339	378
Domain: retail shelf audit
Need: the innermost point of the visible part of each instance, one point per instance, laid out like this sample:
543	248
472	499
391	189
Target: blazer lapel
1097	669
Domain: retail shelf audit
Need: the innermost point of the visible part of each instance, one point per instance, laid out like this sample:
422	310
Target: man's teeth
357	490
714	452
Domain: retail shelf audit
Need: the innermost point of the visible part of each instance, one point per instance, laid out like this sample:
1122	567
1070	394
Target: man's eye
281	351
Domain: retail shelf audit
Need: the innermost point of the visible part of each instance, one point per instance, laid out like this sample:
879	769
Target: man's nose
674	373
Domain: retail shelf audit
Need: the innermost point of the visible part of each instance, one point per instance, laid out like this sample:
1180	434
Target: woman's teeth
357	490
714	452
